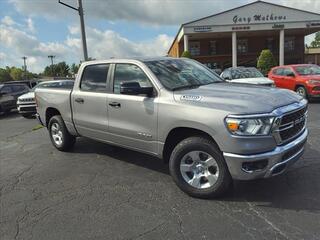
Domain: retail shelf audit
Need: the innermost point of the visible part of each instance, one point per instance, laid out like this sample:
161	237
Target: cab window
94	78
129	73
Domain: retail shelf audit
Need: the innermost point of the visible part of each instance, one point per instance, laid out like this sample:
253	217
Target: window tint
19	88
6	89
129	73
94	78
278	71
287	71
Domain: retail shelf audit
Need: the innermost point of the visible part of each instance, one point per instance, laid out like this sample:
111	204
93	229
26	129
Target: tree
74	68
186	54
5	74
316	42
60	69
17	73
266	61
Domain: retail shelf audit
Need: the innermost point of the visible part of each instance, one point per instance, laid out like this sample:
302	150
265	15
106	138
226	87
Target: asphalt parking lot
103	192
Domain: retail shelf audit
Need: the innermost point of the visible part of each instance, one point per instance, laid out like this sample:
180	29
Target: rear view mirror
133	88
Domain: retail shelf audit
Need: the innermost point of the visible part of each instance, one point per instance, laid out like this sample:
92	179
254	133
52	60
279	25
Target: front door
89	102
132	118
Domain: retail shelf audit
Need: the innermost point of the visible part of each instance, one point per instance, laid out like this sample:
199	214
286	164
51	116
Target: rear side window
278	71
19	88
6	90
287	72
94	78
129	73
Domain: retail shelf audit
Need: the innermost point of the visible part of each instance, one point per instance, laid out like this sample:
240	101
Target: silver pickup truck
209	131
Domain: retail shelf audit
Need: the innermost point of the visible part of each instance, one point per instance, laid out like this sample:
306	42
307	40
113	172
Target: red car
304	79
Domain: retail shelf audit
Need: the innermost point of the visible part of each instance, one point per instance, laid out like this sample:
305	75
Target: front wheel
301	91
199	169
59	135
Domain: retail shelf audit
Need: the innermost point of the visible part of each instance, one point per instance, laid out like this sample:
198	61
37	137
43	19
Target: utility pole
83	32
52	57
25	67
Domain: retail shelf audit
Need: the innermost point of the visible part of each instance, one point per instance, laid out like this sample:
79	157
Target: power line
83	32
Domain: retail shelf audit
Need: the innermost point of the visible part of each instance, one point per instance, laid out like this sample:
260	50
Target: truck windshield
308	70
181	73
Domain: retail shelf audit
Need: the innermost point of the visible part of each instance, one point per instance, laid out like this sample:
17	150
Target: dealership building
237	36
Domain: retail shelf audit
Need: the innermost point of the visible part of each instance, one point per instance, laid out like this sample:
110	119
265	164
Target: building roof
217	15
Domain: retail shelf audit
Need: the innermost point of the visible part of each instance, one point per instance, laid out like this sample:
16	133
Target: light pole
52	57
25	67
83	32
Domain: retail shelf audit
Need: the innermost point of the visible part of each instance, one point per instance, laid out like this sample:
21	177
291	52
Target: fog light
255	166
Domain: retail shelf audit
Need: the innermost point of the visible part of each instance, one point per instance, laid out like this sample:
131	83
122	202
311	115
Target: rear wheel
302	91
59	135
198	168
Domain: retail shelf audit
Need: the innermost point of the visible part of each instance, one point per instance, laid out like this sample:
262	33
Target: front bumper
27	108
276	161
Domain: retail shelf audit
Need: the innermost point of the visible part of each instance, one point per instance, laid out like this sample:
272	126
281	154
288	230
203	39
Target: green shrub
186	54
266	61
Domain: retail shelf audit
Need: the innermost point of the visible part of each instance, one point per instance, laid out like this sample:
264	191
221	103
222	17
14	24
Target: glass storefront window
289	44
242	45
213	47
194	48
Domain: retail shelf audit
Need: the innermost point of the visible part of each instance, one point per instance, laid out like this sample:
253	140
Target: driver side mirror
133	88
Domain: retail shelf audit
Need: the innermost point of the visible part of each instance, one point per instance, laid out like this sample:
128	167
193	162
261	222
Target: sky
114	28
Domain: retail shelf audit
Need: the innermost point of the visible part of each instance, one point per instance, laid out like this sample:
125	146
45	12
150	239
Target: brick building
237	36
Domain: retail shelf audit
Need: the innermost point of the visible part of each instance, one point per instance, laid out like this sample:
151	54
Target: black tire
67	140
224	180
302	91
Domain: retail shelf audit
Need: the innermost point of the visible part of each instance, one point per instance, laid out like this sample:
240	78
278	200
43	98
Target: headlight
313	82
260	126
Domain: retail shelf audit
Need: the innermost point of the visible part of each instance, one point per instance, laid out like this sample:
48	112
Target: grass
39	126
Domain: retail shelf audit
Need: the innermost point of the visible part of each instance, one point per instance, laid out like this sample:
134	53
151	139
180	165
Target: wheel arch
177	134
50	112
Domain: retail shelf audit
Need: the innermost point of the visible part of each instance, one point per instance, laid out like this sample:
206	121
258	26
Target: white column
234	49
186	42
281	47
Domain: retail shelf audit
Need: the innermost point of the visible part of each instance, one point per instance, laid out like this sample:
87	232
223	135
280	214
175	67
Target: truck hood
260	80
27	95
236	98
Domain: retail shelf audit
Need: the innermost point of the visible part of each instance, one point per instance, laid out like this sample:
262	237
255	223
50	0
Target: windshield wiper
186	87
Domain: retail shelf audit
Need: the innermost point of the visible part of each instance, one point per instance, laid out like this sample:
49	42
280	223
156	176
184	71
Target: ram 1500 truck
209	131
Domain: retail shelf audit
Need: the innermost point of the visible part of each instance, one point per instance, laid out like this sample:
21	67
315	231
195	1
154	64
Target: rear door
89	102
132	118
277	77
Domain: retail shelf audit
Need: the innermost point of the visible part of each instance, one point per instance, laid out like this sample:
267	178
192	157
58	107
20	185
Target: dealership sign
257	18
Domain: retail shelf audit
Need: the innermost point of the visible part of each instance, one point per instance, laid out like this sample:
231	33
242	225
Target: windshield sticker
190	98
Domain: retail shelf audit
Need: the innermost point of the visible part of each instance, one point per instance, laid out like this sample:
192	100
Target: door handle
115	104
79	100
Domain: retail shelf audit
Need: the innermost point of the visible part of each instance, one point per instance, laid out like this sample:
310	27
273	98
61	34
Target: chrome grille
291	125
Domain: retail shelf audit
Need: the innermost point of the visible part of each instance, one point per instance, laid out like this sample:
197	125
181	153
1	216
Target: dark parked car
29	83
9	94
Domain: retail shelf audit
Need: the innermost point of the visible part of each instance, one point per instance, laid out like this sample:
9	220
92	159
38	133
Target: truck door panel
132	119
89	102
